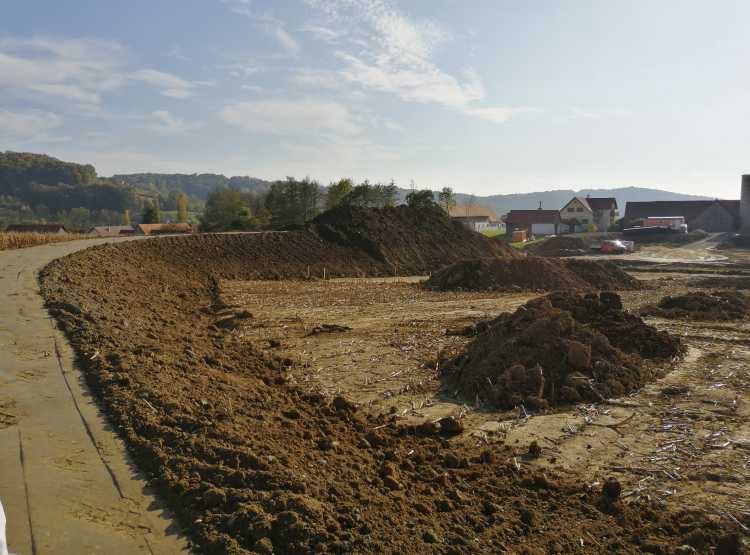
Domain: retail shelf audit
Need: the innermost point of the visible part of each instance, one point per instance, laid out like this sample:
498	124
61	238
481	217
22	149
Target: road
66	481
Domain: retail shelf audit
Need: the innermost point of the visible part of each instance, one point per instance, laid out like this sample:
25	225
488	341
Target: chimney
540	202
745	205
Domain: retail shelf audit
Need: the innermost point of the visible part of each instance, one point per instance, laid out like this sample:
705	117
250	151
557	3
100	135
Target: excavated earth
559	349
700	305
531	273
252	464
559	246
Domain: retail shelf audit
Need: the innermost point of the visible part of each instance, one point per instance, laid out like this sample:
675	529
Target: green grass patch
493	232
520	245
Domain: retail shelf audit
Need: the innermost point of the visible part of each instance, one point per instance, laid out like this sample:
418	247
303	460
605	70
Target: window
579	209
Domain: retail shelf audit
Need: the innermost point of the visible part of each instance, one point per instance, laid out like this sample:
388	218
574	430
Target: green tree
150	214
126	217
182	208
337	192
226	211
420	199
292	203
447	198
372	196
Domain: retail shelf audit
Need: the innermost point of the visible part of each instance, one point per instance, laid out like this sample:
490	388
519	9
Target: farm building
708	215
476	217
535	222
112	230
57	229
162	229
580	213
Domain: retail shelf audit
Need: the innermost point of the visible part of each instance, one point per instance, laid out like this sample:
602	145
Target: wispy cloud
272	26
30	126
165	123
394	54
81	70
292	118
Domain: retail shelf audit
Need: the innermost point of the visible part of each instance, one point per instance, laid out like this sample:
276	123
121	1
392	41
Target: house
162	229
476	217
57	229
112	230
580	213
535	222
708	215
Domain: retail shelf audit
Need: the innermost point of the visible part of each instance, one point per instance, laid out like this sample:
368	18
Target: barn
708	215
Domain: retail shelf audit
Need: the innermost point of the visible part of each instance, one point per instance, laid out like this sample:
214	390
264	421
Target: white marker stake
3	543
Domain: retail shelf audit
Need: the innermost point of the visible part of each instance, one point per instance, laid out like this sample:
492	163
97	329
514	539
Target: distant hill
557	199
195	185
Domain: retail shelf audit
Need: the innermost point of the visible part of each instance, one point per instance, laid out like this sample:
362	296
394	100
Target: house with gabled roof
55	229
582	212
476	217
534	222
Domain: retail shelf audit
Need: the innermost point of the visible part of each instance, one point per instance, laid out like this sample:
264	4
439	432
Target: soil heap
558	246
701	305
405	238
558	349
531	273
250	463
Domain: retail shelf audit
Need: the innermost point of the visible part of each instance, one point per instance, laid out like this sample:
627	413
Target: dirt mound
700	305
531	273
559	246
559	349
406	239
721	282
252	464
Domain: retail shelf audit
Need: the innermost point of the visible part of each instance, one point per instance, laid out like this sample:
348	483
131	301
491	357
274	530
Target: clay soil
530	273
265	437
559	246
702	305
562	348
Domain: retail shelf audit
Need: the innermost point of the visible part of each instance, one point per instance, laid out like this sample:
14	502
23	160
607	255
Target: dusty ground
684	439
253	460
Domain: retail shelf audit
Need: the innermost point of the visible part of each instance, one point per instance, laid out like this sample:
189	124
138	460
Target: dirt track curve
65	479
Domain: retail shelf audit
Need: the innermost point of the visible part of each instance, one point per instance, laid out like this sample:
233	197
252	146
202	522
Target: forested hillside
194	185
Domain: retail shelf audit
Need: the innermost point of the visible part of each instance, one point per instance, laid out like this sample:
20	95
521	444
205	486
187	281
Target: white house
581	212
476	217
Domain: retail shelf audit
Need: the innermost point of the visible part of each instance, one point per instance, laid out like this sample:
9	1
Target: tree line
292	203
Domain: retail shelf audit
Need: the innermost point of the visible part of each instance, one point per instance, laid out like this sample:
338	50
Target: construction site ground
684	439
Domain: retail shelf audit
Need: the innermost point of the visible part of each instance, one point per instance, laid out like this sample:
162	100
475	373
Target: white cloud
318	78
272	26
395	55
293	118
167	124
78	69
322	33
32	126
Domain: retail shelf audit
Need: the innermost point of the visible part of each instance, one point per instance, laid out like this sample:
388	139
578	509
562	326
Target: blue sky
487	96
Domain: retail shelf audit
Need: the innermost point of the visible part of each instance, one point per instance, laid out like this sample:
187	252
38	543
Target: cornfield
16	240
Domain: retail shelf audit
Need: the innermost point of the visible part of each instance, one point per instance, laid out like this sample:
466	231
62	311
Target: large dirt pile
559	349
531	273
252	464
700	305
563	245
405	238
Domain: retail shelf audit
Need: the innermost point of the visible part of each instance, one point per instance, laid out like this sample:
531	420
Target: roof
36	228
602	203
472	211
148	229
527	217
595	203
112	229
690	209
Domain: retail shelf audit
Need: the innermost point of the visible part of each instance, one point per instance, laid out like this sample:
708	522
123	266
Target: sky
486	96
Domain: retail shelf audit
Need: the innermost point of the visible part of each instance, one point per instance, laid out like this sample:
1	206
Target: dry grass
13	240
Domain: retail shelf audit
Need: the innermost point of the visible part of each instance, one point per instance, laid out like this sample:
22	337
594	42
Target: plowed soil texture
252	464
559	246
700	305
559	349
531	273
721	282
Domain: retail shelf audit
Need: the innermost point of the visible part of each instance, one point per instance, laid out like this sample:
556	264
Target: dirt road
65	481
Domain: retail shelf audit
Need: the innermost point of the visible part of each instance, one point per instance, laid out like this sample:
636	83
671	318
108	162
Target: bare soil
532	274
256	451
701	305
